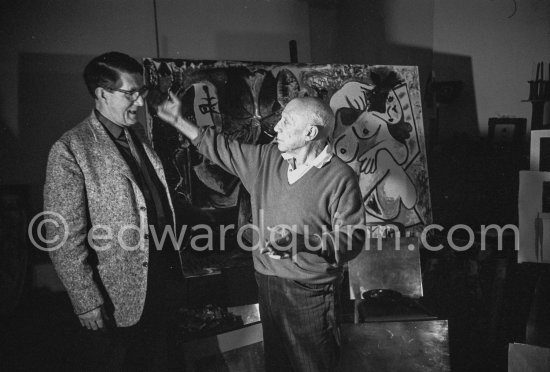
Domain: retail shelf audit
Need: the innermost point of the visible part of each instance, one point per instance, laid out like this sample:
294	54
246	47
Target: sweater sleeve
241	160
347	238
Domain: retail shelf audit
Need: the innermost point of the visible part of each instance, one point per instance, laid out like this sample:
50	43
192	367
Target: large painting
379	129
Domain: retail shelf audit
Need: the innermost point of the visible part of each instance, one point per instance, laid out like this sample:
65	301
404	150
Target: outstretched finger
171	95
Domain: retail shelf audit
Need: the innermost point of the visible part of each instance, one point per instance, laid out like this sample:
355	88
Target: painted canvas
379	129
387	264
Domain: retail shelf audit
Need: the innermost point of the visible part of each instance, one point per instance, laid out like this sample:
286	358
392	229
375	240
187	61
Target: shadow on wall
11	153
52	99
460	115
357	32
265	47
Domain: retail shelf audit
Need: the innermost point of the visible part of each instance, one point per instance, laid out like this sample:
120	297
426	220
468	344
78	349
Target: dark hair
105	70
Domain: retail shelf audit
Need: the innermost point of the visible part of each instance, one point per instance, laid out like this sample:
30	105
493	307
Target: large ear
100	94
312	133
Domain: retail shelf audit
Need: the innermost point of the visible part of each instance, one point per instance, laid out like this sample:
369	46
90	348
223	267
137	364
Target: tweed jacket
92	188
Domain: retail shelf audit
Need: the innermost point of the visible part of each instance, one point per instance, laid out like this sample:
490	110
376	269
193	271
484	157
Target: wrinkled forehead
293	118
293	110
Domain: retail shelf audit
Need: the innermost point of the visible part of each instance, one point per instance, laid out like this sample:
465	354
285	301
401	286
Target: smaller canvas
389	263
534	217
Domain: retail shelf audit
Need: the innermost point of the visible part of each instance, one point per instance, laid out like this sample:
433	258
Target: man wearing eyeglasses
109	188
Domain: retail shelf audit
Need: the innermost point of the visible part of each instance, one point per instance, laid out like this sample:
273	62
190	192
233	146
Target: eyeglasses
132	95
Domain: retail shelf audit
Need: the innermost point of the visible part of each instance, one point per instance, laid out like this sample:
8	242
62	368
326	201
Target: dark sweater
319	201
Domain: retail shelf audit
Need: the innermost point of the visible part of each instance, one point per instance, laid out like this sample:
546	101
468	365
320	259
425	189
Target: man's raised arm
170	112
239	159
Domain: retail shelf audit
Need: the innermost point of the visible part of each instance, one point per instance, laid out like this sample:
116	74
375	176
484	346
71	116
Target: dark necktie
126	140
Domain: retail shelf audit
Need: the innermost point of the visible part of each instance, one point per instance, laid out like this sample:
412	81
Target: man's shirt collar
294	174
324	157
115	129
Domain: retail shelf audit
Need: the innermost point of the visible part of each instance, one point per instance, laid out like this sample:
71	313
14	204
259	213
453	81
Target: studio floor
486	302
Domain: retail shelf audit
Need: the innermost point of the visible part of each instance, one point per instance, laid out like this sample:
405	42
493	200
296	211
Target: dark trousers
144	346
299	325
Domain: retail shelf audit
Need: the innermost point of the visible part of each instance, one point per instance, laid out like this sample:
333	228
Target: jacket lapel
106	149
155	161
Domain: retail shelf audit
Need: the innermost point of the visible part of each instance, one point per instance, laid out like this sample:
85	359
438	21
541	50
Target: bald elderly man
306	205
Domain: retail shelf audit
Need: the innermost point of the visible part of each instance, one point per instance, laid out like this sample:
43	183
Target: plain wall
502	47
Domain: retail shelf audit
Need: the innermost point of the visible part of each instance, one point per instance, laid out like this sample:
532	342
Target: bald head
305	125
316	112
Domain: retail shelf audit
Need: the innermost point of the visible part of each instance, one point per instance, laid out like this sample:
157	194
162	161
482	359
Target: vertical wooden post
538	115
293	51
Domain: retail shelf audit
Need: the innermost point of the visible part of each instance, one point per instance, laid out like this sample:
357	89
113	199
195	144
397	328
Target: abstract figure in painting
373	140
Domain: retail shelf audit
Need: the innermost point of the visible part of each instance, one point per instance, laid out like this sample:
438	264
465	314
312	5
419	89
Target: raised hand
170	109
368	162
170	112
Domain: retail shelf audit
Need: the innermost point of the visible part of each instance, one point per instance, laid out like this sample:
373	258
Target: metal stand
539	94
538	114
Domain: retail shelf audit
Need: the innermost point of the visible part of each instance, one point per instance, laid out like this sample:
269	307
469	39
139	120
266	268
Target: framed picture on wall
540	150
507	131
